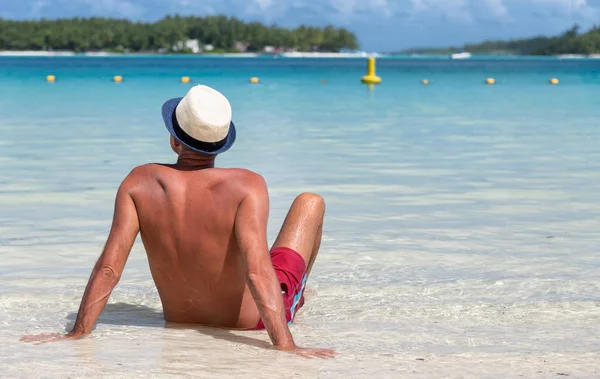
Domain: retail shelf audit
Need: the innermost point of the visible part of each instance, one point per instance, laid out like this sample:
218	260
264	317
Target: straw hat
201	120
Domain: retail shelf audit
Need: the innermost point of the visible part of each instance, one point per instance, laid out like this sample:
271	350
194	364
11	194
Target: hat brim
168	111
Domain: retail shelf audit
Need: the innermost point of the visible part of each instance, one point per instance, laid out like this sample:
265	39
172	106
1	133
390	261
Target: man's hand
39	339
310	353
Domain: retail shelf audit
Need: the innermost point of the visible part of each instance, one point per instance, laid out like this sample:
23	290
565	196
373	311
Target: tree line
572	42
103	34
569	42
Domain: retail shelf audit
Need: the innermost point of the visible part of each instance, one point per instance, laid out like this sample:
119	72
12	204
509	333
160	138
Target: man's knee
312	201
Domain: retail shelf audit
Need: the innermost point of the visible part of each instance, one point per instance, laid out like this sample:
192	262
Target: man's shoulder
138	174
246	179
241	173
141	171
150	169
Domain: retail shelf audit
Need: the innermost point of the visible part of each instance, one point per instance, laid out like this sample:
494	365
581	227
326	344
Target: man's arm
108	268
251	233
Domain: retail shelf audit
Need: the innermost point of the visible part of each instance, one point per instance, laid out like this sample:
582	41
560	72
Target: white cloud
264	4
570	8
497	7
345	12
348	8
185	3
340	11
38	6
125	8
453	10
193	6
466	11
121	8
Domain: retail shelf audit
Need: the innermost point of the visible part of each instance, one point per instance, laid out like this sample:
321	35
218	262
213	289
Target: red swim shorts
291	272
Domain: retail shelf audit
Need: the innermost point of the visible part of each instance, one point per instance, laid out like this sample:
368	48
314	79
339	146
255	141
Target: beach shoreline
299	54
286	55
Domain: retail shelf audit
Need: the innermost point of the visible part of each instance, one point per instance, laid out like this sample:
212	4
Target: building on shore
192	45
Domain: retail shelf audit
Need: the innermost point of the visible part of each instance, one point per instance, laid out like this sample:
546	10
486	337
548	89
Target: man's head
200	122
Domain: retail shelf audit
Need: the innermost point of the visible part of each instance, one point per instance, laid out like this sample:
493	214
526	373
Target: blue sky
381	25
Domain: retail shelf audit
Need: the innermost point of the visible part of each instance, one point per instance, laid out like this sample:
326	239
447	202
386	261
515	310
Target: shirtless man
204	231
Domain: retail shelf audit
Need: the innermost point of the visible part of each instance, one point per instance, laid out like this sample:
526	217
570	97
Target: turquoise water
462	223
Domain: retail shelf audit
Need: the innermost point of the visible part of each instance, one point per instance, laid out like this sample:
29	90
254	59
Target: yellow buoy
50	78
424	82
371	78
490	81
118	79
185	79
254	80
554	81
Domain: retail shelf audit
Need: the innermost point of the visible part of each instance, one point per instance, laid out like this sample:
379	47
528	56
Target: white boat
464	55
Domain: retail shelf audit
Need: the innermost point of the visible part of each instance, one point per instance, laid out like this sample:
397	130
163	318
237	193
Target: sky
381	25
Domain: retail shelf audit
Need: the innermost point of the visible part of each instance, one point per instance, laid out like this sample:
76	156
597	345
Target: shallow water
462	223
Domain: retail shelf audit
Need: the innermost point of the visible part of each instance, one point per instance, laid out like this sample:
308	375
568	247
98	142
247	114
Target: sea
461	238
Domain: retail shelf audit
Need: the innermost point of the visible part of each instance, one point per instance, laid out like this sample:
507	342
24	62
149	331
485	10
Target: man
204	231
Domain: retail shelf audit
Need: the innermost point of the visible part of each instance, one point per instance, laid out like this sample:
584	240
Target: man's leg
302	228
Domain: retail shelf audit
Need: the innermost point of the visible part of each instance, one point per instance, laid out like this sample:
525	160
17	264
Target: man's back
187	220
205	234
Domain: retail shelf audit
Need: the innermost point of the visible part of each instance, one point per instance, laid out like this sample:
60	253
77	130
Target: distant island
570	42
172	34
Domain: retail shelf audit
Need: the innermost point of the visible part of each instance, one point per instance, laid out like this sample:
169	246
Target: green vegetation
224	33
570	42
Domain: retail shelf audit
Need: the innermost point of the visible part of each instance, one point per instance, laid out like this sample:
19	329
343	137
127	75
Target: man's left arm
110	265
107	270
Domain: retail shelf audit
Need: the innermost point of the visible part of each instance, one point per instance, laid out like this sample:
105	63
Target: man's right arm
251	233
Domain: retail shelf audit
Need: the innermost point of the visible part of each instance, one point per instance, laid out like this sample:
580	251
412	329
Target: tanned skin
204	231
